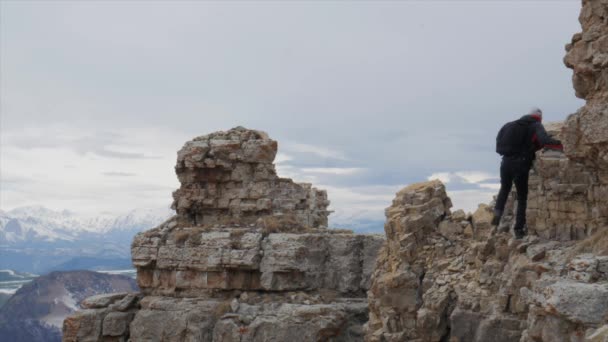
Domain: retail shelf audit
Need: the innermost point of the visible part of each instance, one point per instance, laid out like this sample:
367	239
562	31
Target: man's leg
506	183
521	184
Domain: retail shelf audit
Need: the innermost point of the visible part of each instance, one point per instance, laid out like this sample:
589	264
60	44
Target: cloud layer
363	97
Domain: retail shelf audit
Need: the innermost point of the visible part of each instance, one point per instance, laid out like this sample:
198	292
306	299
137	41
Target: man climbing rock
517	143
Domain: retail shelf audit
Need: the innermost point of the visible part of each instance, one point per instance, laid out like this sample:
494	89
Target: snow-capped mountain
37	239
39	224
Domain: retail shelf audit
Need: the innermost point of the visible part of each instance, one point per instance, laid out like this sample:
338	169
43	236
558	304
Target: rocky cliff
586	131
246	258
444	276
229	177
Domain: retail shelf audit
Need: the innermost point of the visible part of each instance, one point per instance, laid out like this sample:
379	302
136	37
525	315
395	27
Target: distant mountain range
37	239
361	221
35	313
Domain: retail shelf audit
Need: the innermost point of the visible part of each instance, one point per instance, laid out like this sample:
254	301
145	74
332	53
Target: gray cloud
95	142
401	90
119	174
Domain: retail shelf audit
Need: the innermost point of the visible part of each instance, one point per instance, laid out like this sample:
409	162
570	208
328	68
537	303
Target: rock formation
229	177
586	132
567	199
246	258
443	276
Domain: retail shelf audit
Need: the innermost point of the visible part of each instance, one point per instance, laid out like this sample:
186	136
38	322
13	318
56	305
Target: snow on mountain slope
35	313
40	224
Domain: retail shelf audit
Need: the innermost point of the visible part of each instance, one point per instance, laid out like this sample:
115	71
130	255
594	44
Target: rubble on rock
246	258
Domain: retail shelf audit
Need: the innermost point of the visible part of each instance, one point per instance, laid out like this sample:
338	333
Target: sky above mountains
363	97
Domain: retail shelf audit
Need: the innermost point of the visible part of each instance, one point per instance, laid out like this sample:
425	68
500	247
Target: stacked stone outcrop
567	199
246	258
229	177
435	276
586	131
444	276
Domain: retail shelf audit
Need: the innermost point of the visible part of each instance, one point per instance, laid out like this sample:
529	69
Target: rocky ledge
444	276
248	257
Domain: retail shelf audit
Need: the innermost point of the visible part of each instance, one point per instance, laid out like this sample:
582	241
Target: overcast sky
363	97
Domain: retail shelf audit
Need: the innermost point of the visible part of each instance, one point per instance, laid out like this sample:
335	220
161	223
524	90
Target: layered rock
229	177
246	258
586	132
187	262
567	199
444	276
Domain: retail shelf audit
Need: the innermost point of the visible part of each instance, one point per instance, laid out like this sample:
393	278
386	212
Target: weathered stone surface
566	198
294	322
228	177
586	132
116	323
102	301
247	259
173	319
432	286
107	319
83	326
298	319
577	302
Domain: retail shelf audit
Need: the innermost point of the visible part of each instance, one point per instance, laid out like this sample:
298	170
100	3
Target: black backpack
514	138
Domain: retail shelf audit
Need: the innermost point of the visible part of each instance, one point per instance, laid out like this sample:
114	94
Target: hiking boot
496	220
519	233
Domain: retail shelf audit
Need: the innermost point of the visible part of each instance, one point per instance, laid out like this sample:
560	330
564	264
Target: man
518	142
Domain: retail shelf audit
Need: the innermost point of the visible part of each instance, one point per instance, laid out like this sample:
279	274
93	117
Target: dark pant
514	170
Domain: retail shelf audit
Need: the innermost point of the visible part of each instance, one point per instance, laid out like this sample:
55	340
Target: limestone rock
432	285
586	132
229	177
577	302
102	301
566	199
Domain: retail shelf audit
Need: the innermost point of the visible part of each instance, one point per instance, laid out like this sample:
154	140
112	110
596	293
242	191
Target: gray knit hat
535	111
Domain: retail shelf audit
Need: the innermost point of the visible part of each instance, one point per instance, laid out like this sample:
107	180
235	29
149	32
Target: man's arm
542	139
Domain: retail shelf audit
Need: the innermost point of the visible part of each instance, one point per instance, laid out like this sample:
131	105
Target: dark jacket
538	136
